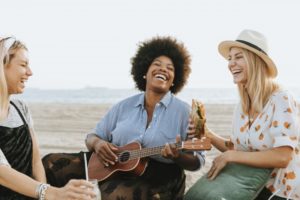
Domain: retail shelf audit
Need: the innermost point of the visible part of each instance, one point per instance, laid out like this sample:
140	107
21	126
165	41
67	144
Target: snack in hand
199	118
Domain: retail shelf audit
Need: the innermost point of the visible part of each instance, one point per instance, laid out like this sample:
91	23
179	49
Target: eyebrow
156	59
236	54
24	61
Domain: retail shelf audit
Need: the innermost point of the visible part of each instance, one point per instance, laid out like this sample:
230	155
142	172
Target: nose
163	67
29	72
231	63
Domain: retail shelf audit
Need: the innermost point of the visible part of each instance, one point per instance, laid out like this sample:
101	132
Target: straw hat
254	42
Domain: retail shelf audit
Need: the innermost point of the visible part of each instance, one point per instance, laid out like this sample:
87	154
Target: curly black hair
161	46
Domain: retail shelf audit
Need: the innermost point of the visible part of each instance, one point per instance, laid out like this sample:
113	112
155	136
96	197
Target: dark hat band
252	45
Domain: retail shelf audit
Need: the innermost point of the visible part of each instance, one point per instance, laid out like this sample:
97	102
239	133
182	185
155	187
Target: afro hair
161	46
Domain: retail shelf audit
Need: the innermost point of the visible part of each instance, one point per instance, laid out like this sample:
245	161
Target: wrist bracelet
37	189
42	191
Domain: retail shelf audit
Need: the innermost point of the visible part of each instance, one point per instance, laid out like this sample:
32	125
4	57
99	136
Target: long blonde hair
5	57
260	86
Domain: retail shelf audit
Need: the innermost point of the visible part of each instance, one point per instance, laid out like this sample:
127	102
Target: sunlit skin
237	66
17	72
159	78
160	75
277	157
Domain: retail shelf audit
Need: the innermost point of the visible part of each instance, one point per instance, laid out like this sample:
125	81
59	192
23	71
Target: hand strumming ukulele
132	158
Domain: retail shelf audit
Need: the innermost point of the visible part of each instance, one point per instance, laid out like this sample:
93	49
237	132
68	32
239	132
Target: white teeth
161	76
236	71
23	81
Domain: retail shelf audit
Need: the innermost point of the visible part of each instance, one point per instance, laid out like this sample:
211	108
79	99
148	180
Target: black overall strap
21	115
16	144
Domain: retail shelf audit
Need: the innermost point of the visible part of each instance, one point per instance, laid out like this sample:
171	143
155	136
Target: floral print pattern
275	126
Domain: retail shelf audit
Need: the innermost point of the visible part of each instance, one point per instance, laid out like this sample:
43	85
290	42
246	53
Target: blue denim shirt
126	122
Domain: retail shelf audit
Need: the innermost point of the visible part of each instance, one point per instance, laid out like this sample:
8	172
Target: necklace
250	120
251	117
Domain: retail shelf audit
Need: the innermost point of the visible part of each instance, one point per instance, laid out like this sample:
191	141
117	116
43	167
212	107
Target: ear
4	61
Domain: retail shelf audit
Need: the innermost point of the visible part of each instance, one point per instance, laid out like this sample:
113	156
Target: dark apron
159	182
16	145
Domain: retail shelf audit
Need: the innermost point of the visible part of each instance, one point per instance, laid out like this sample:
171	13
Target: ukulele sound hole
124	156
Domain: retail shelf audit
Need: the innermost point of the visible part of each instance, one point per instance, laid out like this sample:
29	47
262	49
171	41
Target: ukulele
132	158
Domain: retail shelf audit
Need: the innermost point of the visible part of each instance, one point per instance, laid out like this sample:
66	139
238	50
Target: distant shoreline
98	96
112	96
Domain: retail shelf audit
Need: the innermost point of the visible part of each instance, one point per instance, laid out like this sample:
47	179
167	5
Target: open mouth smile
162	77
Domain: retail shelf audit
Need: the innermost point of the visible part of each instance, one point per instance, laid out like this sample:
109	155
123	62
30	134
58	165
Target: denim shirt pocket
168	135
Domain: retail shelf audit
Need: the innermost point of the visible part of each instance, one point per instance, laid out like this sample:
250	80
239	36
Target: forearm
217	141
37	166
39	172
273	158
18	182
187	161
91	140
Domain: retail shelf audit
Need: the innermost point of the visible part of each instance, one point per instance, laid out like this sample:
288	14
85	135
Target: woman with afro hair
155	117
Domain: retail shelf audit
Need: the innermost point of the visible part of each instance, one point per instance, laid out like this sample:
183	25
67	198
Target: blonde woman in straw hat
265	132
22	175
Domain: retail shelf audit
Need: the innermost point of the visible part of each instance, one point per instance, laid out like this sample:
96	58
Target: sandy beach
62	127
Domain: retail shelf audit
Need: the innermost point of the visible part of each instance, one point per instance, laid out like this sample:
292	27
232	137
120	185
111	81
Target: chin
161	90
19	91
238	82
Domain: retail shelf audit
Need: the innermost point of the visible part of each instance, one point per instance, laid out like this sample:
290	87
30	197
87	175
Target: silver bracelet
37	189
42	191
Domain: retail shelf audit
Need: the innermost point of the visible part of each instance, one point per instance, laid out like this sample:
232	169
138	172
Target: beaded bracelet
42	191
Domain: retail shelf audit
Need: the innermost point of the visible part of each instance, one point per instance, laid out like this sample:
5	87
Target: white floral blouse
277	125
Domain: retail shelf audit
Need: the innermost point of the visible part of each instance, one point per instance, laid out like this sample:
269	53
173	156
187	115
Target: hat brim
225	46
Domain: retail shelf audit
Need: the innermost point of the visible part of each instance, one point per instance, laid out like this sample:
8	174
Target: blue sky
80	43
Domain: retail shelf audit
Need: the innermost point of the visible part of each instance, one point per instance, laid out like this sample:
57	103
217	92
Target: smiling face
237	66
160	75
17	72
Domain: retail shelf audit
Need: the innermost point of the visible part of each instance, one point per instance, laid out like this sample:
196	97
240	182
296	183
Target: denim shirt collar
164	101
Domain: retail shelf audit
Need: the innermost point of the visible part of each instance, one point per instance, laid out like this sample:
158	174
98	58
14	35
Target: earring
172	84
144	77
